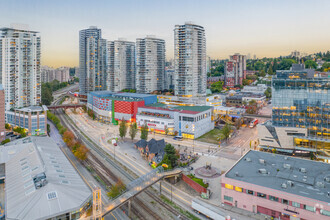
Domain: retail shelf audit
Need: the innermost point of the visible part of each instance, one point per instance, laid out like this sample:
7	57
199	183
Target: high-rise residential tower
92	60
121	65
20	72
150	64
235	70
189	60
2	114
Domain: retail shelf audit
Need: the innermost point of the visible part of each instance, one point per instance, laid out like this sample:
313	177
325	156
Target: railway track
64	120
137	201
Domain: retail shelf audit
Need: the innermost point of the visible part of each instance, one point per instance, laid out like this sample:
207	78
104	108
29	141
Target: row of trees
78	149
56	122
133	129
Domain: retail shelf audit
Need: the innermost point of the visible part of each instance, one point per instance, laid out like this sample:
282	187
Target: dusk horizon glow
263	28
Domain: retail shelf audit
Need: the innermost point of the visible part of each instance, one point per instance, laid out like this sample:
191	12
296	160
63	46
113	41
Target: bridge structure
139	185
65	106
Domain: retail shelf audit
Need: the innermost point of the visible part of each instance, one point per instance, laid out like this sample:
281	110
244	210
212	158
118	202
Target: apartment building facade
190	75
2	114
150	64
121	65
20	73
92	61
235	70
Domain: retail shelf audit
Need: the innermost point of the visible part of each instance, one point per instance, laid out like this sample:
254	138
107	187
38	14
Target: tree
310	64
171	153
225	132
217	87
166	130
144	132
122	128
7	126
116	189
46	94
132	130
68	136
81	152
5	141
286	64
252	107
262	73
270	71
268	93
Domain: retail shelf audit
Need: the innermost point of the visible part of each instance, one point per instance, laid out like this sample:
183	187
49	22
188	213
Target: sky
262	27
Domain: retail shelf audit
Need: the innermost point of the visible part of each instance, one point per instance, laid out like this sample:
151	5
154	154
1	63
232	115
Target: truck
208	210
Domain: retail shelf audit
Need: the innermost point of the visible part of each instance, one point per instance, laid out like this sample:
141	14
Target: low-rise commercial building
258	89
111	107
278	186
187	121
172	101
33	119
40	182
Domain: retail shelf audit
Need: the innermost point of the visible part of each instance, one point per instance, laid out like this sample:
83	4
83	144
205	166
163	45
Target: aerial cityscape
164	110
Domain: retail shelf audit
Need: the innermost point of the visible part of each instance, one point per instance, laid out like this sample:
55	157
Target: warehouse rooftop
40	181
293	175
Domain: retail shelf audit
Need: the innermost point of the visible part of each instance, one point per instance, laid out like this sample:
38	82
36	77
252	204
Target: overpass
65	106
137	186
256	116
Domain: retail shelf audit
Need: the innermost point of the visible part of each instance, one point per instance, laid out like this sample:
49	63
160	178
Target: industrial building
111	107
278	187
33	119
186	121
40	182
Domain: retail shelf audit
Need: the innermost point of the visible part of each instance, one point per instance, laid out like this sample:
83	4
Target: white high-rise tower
121	65
150	64
20	72
92	61
189	60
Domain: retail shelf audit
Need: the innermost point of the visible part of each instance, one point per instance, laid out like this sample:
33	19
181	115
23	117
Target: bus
253	123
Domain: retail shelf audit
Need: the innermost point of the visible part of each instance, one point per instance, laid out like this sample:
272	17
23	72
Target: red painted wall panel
193	184
123	107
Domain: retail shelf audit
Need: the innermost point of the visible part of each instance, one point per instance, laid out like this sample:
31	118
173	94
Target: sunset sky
261	27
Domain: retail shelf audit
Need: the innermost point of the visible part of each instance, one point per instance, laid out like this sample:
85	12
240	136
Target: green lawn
198	180
211	136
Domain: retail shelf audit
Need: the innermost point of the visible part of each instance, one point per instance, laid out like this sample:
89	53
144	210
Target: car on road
178	138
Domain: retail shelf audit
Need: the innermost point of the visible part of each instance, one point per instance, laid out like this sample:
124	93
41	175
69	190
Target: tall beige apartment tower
2	114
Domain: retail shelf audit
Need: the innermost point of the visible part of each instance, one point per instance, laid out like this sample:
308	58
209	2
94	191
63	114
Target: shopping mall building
111	107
